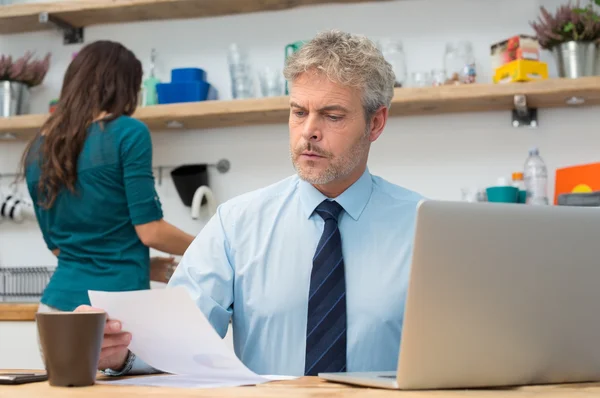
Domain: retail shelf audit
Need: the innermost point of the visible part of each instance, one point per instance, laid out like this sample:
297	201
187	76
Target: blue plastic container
171	93
184	75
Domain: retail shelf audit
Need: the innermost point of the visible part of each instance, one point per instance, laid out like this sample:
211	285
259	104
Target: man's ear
378	122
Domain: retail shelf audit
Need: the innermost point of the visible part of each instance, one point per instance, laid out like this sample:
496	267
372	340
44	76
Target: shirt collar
353	200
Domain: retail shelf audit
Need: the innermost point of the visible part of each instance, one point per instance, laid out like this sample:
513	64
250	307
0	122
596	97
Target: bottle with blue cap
535	175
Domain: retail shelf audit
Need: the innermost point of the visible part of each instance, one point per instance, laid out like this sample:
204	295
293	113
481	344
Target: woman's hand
162	268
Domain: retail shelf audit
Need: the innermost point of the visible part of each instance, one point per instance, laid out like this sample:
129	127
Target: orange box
577	179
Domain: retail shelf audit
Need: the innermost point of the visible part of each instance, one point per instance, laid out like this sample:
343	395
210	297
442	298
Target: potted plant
572	34
17	77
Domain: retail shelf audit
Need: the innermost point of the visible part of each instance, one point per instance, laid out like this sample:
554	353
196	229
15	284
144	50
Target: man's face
329	137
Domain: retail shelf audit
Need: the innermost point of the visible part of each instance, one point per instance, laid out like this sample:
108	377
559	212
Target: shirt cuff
125	369
133	366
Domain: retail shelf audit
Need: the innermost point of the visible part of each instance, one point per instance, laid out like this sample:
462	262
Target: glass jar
459	63
393	52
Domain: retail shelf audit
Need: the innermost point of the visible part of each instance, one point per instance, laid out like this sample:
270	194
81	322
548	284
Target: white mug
11	208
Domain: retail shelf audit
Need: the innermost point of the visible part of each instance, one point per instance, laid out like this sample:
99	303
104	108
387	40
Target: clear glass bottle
393	52
459	63
535	174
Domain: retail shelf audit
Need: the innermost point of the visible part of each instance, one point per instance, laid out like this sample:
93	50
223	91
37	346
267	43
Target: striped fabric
326	327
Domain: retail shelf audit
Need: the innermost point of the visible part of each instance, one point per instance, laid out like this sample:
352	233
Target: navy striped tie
326	326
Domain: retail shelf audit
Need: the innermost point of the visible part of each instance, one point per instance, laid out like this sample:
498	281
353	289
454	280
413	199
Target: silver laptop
499	295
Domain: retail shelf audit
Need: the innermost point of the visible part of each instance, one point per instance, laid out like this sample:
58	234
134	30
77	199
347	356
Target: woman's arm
145	209
161	235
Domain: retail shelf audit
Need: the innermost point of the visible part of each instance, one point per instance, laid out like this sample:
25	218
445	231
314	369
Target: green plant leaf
569	26
580	10
597	2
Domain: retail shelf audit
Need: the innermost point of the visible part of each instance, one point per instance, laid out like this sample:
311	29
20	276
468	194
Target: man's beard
338	168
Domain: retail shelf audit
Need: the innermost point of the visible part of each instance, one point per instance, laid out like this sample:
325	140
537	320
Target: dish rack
23	284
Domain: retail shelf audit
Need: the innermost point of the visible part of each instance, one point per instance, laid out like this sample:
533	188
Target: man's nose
312	128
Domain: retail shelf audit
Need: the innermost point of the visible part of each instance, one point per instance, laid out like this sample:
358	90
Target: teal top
94	227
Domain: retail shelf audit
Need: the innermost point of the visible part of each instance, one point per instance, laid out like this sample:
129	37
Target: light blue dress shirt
253	259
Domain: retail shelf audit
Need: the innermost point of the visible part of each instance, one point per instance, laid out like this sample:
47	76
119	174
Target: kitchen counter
18	311
301	388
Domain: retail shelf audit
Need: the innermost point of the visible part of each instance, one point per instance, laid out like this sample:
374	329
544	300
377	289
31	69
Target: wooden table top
305	387
18	311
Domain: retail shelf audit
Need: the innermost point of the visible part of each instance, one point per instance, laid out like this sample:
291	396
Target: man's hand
162	268
114	344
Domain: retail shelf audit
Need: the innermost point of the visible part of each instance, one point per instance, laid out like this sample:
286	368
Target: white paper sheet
171	334
184	381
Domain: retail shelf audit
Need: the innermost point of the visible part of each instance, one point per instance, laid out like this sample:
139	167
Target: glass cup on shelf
438	77
271	82
470	194
240	70
421	79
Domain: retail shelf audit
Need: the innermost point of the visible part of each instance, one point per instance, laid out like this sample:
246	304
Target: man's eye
334	118
299	113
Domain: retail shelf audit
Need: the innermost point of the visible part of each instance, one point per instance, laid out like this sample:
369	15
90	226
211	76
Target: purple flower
25	69
569	23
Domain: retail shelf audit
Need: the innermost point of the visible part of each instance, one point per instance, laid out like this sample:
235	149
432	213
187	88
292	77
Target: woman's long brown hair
105	77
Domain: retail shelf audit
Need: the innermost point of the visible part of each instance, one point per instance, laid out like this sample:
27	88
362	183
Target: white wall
434	155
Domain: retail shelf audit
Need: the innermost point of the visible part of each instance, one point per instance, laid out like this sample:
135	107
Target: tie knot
329	210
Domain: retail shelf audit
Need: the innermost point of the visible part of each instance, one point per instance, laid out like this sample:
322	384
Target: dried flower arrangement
569	23
25	69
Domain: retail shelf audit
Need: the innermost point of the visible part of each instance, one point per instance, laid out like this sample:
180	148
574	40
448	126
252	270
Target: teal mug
506	194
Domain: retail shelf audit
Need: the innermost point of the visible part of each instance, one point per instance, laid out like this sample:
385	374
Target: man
314	268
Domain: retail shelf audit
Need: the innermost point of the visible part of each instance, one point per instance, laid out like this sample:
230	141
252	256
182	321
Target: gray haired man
313	269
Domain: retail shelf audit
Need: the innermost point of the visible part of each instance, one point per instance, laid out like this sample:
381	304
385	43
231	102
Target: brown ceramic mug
71	344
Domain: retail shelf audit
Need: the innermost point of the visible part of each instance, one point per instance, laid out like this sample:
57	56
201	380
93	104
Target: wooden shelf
21	18
18	311
552	93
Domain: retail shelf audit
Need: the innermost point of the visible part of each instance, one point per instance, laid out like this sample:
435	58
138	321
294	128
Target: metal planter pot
14	98
576	59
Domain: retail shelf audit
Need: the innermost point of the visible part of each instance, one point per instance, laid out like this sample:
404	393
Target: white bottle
535	175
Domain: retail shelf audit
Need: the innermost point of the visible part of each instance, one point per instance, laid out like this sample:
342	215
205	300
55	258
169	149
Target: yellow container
521	70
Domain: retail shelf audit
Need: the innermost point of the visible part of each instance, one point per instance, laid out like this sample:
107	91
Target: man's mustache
312	148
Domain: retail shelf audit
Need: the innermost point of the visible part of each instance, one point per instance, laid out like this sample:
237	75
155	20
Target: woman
89	173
